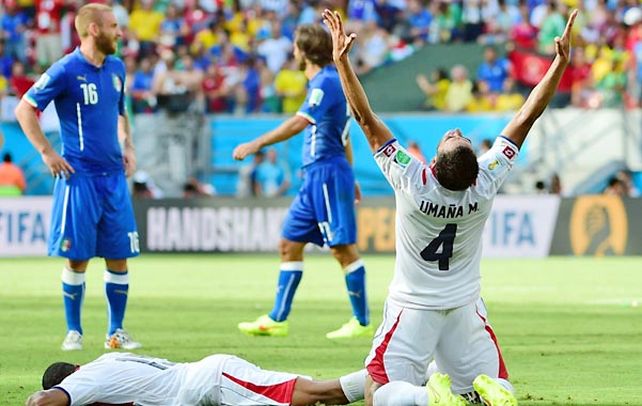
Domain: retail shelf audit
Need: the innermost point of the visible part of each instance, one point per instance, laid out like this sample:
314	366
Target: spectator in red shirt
20	82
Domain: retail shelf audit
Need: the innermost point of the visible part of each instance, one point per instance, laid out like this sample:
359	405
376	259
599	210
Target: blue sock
116	288
73	292
289	278
356	285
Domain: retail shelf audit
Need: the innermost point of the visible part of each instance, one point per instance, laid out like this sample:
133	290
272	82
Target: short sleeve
495	165
121	98
51	84
404	172
317	102
81	388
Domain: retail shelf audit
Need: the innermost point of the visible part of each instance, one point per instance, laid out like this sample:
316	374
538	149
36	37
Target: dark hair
7	157
315	43
56	373
457	169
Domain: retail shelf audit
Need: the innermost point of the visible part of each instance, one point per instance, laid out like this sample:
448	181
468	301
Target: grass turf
569	328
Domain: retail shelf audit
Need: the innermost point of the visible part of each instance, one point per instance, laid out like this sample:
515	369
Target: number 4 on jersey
445	239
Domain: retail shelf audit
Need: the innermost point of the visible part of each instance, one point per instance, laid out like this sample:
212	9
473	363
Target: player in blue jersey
323	211
92	211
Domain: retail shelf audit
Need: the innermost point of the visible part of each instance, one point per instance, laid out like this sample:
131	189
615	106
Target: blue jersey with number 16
88	100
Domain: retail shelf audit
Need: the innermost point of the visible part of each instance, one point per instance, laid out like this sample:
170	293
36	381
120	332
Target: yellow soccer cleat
350	330
439	393
264	326
492	393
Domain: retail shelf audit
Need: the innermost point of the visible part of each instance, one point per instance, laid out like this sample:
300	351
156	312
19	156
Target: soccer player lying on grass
128	379
433	309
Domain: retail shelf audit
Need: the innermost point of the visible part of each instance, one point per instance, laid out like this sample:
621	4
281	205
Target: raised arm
375	130
518	128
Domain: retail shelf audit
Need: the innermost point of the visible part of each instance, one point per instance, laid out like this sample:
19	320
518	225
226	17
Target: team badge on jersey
42	82
402	159
117	83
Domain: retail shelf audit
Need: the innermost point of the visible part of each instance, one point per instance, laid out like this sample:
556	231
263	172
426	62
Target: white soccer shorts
460	340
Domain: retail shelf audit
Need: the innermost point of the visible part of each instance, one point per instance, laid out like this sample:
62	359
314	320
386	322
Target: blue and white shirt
88	101
326	109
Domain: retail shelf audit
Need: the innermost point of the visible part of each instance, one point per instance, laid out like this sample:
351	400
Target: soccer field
570	329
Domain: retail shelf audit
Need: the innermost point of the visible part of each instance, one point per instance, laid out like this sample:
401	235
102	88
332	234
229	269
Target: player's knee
290	250
116	265
345	254
77	266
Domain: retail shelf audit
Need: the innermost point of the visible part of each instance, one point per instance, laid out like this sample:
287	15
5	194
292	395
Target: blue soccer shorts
323	211
93	216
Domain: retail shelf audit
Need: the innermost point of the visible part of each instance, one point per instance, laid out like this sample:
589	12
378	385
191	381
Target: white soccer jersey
439	231
124	377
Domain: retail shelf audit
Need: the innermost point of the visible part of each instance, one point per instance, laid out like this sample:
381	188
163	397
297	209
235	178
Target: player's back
326	109
439	231
88	101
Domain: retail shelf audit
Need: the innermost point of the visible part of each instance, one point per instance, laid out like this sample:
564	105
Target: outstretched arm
518	128
375	130
51	397
287	129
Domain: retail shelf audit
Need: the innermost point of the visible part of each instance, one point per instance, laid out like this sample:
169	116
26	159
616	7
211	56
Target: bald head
90	13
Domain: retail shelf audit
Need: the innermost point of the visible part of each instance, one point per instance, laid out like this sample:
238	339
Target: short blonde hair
87	14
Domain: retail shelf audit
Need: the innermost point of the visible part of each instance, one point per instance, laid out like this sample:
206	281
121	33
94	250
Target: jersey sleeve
81	388
404	172
317	102
121	99
495	165
51	84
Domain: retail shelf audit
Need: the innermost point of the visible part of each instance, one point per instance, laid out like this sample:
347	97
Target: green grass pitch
570	329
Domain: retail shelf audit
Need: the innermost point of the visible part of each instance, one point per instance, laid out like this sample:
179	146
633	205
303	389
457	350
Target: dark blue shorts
93	216
323	211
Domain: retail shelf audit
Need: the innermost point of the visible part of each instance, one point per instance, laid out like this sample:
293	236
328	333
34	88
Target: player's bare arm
51	397
286	130
518	128
375	130
26	116
129	152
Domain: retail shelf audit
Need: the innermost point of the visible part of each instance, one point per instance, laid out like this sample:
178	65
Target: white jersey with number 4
439	231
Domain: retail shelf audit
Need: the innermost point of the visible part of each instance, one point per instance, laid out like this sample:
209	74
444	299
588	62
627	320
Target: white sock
353	385
507	385
399	393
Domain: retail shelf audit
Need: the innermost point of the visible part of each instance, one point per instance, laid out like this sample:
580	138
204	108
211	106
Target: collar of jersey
78	55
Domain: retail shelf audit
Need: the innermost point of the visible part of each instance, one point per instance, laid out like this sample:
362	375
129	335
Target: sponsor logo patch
42	82
494	164
389	150
117	83
508	152
316	95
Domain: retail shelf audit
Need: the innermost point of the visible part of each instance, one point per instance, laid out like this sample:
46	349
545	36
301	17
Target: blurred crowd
606	66
236	55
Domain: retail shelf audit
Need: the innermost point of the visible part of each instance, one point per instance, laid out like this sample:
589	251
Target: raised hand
563	43
341	43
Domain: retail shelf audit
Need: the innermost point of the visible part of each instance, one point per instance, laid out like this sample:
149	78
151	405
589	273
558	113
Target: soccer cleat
350	330
492	393
439	393
72	341
264	326
121	340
